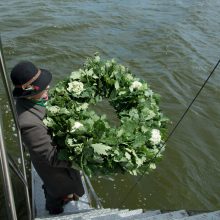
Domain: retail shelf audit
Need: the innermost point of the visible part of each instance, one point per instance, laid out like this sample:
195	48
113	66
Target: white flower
152	166
97	59
122	68
115	72
84	106
75	87
113	61
129	77
103	68
150	115
53	109
155	136
48	122
70	142
75	75
76	126
89	72
135	85
148	93
108	64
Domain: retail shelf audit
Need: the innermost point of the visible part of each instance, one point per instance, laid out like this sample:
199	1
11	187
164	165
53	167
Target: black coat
57	175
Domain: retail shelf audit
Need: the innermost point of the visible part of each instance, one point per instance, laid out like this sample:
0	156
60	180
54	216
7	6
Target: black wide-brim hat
29	80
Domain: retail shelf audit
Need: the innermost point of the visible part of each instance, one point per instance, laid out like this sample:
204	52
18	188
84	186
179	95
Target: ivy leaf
101	148
117	85
127	155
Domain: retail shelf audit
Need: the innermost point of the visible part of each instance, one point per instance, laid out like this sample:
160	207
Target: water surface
173	45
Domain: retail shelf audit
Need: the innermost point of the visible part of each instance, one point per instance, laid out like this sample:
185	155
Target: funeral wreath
87	139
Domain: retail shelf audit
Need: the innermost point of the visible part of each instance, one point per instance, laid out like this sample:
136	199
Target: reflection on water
172	45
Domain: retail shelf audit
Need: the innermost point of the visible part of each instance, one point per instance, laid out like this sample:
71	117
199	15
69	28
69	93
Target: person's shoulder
28	113
28	119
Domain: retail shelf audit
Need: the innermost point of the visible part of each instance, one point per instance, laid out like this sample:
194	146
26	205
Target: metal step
131	213
101	214
143	215
73	215
125	214
204	216
39	199
98	214
118	215
168	216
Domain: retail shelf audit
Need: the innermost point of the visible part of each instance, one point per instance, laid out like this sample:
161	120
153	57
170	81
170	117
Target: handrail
14	113
97	200
16	170
6	178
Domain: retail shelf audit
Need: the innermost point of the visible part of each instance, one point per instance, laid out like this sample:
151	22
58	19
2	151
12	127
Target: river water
171	44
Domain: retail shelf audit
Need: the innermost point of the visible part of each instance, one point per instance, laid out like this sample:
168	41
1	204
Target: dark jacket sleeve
40	146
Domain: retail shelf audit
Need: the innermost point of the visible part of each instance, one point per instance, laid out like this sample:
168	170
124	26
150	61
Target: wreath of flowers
87	139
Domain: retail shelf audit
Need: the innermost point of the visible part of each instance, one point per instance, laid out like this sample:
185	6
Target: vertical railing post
12	106
9	196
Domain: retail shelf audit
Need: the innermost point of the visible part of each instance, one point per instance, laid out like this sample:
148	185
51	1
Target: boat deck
38	199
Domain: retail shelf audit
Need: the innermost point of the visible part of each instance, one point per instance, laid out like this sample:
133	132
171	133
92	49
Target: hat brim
42	82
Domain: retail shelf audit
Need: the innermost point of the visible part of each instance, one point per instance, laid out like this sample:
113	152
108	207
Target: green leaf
101	148
63	154
127	155
117	85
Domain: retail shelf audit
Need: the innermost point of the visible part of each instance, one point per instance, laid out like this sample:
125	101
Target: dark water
173	45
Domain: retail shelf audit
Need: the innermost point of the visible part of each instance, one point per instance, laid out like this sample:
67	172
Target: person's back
59	179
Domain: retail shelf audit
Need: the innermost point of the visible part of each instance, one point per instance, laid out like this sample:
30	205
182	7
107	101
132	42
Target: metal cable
171	133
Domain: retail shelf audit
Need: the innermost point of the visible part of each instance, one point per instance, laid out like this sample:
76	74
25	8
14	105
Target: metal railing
14	113
9	196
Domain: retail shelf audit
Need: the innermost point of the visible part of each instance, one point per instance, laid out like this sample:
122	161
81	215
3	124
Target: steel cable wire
168	137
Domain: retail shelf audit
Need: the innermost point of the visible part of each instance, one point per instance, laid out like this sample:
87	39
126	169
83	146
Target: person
61	183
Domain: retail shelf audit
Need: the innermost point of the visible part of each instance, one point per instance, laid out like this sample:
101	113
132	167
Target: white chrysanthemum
129	77
53	109
148	93
108	64
152	166
75	87
48	122
84	106
76	126
122	68
97	59
155	136
135	85
115	72
69	142
89	72
150	115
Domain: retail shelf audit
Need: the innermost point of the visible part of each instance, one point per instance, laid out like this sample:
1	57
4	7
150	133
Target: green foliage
87	140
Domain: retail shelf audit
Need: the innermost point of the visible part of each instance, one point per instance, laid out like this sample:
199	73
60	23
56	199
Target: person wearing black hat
61	182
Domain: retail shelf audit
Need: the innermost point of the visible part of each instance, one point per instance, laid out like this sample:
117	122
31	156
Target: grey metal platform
115	214
38	199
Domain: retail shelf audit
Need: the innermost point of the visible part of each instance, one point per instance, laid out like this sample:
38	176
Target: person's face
42	95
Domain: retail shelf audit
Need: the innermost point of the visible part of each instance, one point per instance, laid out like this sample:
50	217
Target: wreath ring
87	139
